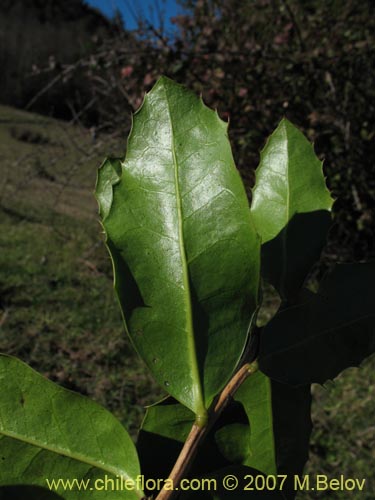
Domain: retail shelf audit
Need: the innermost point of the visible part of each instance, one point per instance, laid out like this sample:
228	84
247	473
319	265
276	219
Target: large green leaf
47	432
267	428
184	249
291	208
329	331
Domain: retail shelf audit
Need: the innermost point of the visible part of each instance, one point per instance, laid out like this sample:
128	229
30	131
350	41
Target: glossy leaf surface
328	332
47	432
291	208
184	249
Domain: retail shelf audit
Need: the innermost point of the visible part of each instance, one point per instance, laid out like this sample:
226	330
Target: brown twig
295	24
197	433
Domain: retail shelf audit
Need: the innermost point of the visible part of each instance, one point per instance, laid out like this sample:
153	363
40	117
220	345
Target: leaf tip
165	82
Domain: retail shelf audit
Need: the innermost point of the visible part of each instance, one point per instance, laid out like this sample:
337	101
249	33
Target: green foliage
190	303
257	61
334	326
253	63
53	433
266	428
289	182
192	293
290	208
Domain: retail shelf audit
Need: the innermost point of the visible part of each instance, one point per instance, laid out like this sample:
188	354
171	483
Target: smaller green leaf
280	427
256	396
290	208
267	429
166	427
233	441
47	432
329	331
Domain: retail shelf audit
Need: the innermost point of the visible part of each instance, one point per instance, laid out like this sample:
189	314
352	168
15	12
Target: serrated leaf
289	181
184	249
290	208
47	432
328	332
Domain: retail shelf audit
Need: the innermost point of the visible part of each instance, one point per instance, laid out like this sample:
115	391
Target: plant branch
197	433
295	24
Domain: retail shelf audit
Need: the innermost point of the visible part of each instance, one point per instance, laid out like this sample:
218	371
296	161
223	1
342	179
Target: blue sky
132	8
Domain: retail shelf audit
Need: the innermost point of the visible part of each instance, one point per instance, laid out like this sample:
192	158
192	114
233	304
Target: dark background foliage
310	60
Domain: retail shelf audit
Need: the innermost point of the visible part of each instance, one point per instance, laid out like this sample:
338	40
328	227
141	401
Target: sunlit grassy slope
58	312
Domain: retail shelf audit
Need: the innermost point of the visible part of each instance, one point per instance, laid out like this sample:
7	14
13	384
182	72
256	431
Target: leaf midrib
198	393
75	456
